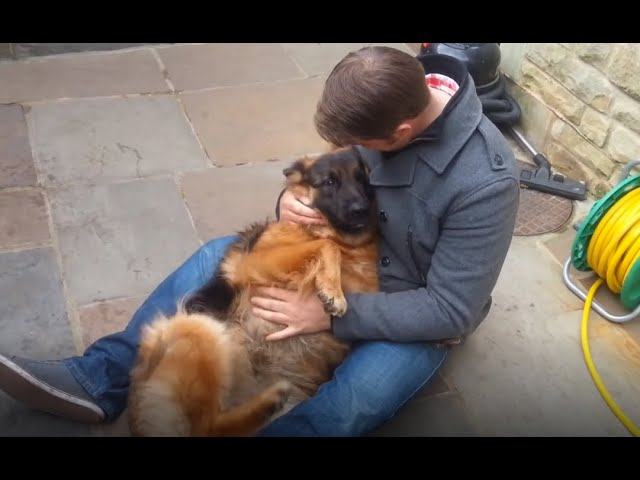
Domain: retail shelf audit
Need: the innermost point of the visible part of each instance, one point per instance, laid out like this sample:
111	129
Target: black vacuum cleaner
483	63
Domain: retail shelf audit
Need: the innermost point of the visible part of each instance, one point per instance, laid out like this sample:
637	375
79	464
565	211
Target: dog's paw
279	394
336	306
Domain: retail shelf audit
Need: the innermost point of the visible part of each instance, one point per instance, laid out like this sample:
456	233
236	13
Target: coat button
383	216
385	261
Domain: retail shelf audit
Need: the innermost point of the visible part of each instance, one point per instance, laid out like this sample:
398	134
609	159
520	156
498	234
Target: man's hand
293	209
299	314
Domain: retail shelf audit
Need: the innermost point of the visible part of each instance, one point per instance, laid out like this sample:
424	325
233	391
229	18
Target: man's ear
402	130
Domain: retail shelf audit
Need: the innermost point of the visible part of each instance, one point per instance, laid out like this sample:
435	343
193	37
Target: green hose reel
630	294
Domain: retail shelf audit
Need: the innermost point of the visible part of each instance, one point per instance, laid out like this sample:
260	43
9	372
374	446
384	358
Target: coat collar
438	145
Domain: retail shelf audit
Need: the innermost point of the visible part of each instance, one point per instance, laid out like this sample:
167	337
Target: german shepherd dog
208	371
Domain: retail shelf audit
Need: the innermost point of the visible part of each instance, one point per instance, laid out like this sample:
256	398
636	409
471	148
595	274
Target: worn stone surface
121	240
522	371
24	50
255	123
80	76
624	68
23	219
101	319
192	67
16	162
320	58
33	317
583	80
551	93
105	139
437	416
623	145
225	200
595	126
6	51
579	146
33	324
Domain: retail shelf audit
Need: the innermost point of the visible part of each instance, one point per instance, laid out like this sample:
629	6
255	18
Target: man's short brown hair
369	93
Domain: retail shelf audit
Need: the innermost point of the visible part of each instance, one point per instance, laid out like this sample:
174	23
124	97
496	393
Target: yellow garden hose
613	250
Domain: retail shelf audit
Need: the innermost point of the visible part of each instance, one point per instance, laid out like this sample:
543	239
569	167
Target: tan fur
196	375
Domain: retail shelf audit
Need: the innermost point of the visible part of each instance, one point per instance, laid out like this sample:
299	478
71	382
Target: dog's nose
358	210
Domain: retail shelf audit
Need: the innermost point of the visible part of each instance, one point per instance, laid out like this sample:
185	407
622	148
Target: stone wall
581	105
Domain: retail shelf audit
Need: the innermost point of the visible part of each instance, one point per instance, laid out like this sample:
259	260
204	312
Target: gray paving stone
33	318
259	122
23	219
436	416
16	162
192	67
320	58
24	50
121	240
100	140
88	75
33	324
225	200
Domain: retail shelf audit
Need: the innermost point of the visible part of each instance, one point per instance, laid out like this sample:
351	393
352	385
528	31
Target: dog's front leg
329	282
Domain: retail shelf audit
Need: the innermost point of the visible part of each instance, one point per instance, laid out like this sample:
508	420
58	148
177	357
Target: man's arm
464	270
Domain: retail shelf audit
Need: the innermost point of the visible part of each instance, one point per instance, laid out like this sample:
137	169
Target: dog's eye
328	182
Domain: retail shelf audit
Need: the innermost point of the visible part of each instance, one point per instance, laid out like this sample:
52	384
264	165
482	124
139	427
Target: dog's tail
184	365
153	410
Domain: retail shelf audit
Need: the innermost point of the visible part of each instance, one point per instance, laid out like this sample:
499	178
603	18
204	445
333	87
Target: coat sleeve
475	236
278	204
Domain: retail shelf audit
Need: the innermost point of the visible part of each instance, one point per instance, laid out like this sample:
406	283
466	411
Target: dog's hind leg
248	418
215	297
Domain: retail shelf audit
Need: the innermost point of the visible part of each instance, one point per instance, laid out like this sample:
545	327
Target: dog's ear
294	172
361	161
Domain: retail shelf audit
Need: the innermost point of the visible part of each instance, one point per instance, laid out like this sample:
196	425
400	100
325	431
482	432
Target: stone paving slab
16	162
320	58
6	51
105	318
192	67
436	386
254	123
106	139
33	324
33	318
81	76
522	371
24	50
23	218
436	416
118	428
121	240
225	200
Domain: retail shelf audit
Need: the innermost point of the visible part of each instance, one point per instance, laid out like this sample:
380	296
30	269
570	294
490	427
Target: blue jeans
367	389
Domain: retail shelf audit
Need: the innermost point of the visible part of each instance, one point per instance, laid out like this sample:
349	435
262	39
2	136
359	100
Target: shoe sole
25	388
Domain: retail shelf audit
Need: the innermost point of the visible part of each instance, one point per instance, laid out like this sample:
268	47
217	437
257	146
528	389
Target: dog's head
337	184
